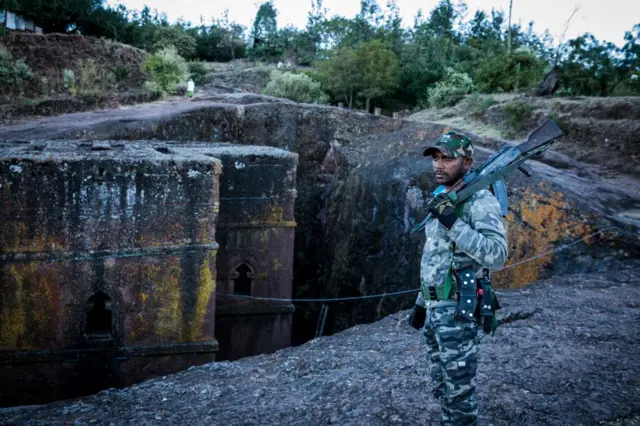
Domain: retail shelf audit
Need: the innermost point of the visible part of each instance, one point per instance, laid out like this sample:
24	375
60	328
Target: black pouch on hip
488	304
468	293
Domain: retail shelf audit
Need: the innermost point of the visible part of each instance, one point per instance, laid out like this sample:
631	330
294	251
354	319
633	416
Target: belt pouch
468	290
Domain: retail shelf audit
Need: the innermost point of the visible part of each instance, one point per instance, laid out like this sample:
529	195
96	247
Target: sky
606	19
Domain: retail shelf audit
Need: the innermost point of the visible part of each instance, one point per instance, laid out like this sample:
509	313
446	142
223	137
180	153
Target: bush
69	80
14	74
516	115
92	78
451	90
199	73
165	69
120	74
478	103
297	87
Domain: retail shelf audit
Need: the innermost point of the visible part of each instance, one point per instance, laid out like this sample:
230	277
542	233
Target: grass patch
516	115
199	72
477	103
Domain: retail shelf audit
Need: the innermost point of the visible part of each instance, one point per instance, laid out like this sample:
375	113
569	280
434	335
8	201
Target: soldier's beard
449	179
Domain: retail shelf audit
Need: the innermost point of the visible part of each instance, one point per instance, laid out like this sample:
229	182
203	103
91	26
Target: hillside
71	73
601	131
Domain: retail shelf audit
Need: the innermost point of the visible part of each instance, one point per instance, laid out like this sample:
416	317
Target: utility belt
477	302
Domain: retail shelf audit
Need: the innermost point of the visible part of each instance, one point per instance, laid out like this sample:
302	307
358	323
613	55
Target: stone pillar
107	266
340	104
377	111
396	115
256	230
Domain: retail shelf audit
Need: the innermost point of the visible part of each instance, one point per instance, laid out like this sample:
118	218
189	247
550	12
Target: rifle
499	165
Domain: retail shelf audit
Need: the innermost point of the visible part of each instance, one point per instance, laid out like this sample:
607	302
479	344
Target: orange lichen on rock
206	288
534	228
31	303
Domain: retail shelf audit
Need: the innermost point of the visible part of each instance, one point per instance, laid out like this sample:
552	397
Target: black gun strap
486	308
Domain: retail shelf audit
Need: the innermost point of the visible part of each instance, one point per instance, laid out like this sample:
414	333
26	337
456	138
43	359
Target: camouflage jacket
479	236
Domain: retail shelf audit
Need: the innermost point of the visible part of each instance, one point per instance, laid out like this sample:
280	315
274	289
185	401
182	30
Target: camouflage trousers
452	352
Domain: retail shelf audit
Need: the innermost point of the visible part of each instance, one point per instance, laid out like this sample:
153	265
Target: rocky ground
566	355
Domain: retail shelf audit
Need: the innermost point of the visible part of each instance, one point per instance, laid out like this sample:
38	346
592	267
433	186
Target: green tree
630	66
442	19
590	66
379	68
265	33
508	73
367	72
175	36
231	36
393	32
337	75
315	28
338	32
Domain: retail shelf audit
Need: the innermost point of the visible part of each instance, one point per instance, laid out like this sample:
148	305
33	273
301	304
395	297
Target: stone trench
361	184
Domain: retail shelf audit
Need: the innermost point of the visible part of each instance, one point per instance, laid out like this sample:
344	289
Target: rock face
565	355
549	84
107	264
362	183
124	235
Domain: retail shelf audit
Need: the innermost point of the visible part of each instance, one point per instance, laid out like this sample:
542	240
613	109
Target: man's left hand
443	209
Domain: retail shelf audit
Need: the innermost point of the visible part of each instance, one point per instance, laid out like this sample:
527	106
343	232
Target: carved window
242	278
99	317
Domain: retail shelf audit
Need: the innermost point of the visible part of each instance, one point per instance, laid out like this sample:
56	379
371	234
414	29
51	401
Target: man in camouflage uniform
472	236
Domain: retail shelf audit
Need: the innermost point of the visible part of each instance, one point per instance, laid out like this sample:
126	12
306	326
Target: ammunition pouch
417	317
477	302
467	294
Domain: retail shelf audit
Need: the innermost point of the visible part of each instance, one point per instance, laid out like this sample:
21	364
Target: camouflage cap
452	144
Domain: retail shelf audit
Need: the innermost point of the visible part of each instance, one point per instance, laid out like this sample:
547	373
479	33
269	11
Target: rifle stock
546	132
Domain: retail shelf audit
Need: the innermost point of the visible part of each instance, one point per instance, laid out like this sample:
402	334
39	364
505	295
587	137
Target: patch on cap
452	144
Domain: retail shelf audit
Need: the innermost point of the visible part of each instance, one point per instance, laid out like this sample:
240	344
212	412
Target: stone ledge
49	355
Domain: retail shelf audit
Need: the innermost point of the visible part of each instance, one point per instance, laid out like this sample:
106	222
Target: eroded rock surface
362	184
566	355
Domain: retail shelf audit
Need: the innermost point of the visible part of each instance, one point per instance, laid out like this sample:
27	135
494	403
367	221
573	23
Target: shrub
69	80
478	103
451	90
14	74
91	78
516	114
297	87
165	69
199	73
120	74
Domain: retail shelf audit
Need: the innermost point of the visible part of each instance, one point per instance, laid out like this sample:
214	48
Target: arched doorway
242	279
